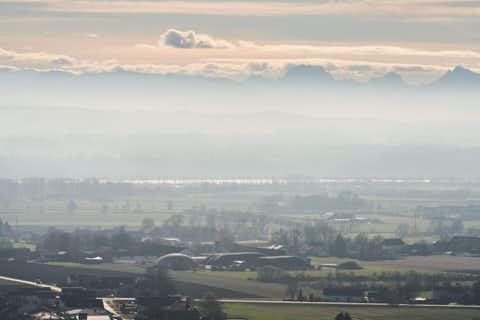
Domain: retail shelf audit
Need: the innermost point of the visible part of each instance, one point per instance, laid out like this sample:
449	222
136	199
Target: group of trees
157	283
393	287
304	241
343	316
345	200
85	239
446	228
5	229
202	224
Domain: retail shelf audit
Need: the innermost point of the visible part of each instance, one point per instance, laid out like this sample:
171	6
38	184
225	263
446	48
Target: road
349	304
31	283
107	305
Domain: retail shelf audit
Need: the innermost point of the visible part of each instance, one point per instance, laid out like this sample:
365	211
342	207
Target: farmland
309	312
243	283
437	263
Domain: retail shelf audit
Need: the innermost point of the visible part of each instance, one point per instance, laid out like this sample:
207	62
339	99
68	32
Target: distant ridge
309	73
303	75
391	79
458	77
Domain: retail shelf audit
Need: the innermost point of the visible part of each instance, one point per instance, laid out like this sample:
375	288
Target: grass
369	267
438	263
29	246
320	312
231	281
132	268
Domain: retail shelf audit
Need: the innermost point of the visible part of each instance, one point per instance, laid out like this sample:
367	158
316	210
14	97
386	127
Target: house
344	294
29	299
94	260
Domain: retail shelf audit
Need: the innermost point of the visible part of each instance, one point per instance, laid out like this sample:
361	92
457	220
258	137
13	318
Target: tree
121	239
148	224
72	206
292	289
157	283
300	296
281	237
343	316
104	208
271	274
457	226
56	240
402	230
340	247
6	244
210	308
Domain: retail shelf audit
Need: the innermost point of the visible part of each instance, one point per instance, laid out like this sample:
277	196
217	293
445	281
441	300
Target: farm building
270	250
285	262
229	259
464	244
176	261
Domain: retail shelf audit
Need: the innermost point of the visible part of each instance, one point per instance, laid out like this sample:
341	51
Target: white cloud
35	59
192	40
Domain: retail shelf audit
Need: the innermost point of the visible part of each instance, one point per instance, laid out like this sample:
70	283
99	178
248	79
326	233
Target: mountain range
299	74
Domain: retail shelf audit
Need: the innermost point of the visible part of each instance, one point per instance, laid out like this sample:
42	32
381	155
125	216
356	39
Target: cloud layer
220	58
414	8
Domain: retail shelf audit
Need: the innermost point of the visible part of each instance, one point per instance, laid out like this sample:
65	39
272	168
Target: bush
349	265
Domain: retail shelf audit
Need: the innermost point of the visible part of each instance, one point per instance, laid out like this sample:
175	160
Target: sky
352	39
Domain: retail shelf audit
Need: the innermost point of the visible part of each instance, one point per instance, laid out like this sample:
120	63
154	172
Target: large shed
176	261
228	259
285	262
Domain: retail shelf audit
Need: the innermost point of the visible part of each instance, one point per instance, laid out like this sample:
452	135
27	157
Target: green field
132	268
235	281
436	263
310	312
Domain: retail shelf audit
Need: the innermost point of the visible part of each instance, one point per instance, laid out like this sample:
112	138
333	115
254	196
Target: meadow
324	312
